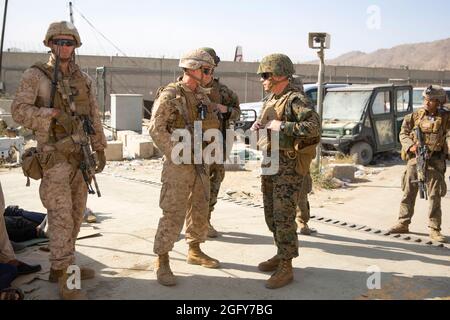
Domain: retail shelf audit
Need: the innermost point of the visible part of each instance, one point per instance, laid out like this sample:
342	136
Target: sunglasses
266	75
64	42
207	71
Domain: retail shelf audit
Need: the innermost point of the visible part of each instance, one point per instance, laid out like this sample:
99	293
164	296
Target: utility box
126	112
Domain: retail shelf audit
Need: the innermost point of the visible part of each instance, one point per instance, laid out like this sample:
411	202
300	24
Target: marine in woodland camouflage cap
196	59
277	64
62	28
435	92
213	54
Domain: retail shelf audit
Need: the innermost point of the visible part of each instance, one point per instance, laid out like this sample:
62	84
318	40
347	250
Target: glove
101	161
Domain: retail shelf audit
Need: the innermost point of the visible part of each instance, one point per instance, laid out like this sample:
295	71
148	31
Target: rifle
84	130
422	161
199	168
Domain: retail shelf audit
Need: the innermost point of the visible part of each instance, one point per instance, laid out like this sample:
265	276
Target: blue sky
169	28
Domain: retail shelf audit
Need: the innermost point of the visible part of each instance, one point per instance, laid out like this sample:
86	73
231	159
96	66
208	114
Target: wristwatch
230	109
282	126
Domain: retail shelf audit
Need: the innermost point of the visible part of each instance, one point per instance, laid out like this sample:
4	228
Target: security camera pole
321	41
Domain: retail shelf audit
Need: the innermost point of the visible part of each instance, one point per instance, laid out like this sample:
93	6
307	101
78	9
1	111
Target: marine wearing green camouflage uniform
299	135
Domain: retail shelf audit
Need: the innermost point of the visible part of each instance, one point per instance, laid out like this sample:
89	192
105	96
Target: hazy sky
169	28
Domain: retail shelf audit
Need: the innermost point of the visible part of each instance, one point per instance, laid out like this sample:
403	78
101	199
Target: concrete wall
145	75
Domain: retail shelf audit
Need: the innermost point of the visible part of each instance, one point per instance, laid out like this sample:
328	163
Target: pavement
336	263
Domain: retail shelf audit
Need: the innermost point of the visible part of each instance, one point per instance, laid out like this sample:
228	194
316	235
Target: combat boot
69	294
270	265
212	233
86	274
399	228
304	228
282	277
163	273
437	236
197	257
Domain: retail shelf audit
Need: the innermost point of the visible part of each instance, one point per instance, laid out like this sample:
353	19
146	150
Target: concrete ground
333	264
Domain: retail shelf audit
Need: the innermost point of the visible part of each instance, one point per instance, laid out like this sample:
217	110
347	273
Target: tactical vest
433	129
72	98
304	149
280	109
189	101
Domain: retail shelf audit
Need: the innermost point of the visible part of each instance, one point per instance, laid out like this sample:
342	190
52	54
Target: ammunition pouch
305	154
66	146
31	166
210	124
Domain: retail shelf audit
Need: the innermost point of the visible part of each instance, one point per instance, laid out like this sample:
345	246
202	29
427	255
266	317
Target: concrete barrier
114	151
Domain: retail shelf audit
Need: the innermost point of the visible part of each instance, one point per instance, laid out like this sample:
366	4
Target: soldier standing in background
434	123
227	104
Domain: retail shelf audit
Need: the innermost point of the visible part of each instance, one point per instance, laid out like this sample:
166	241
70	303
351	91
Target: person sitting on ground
23	225
7	255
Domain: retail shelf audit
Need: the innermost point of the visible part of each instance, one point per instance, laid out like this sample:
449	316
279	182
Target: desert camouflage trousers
303	207
216	176
436	187
281	194
184	196
63	193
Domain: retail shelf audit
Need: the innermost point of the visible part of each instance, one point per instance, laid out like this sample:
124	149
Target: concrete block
125	136
127	111
114	151
141	148
342	172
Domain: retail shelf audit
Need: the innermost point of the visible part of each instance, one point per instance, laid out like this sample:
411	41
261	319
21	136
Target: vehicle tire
362	153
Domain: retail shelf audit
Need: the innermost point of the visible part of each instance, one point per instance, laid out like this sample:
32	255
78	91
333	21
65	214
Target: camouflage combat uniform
183	190
221	94
283	190
303	207
436	131
63	191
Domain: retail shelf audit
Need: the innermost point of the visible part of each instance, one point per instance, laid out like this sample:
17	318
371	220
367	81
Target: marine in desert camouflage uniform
433	119
63	190
185	190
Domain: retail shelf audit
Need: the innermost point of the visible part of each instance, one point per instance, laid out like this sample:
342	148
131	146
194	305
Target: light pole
321	41
2	87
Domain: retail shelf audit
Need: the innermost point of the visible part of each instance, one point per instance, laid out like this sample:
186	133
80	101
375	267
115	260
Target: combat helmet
213	54
435	92
196	59
62	28
277	64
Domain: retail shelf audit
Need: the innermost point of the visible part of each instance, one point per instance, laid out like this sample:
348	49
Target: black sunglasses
207	71
64	42
266	75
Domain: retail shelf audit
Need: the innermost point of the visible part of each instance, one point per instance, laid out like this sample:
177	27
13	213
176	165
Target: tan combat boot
304	228
282	277
212	233
437	236
270	265
197	257
86	274
69	294
163	273
399	228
